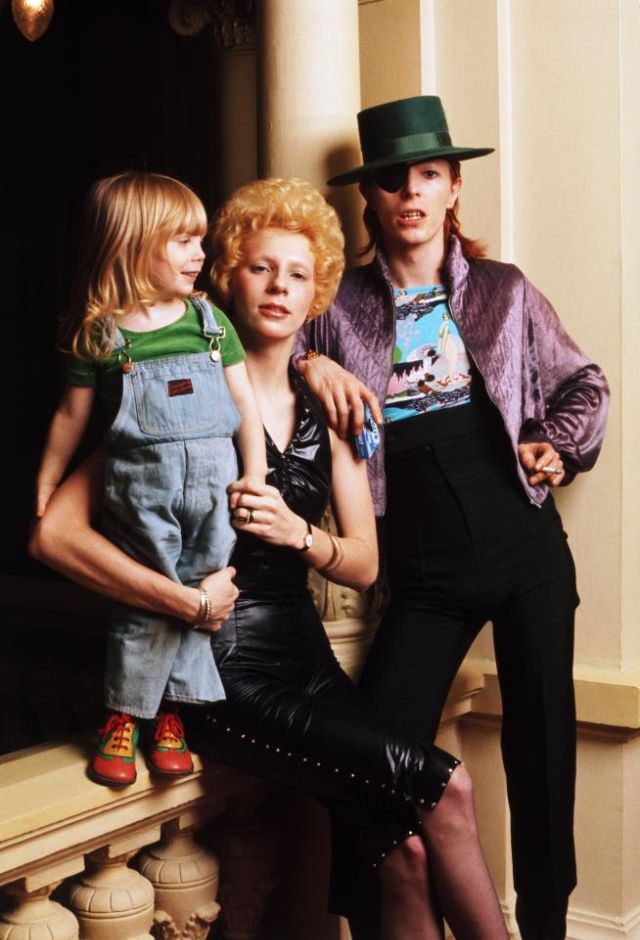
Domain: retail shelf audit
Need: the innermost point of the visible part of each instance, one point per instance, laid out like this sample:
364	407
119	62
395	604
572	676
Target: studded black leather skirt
293	716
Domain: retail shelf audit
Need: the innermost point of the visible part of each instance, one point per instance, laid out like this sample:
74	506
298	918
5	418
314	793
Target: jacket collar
456	266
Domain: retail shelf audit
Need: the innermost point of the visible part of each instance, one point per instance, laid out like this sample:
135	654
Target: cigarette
548	469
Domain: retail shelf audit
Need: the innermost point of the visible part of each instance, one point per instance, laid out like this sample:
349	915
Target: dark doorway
108	87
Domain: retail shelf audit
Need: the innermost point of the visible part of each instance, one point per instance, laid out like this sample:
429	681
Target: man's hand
342	395
541	462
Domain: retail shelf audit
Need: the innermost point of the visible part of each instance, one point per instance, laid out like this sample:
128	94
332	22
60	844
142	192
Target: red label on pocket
180	387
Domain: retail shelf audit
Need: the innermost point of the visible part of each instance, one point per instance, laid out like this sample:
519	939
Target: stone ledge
52	814
606	698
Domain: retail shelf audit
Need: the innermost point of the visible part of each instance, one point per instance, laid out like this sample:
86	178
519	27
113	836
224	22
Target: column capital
233	24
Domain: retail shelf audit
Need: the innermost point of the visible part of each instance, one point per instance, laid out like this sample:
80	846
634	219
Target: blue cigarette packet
368	440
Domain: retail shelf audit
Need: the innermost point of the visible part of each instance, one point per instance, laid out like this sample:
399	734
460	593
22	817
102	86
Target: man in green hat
487	406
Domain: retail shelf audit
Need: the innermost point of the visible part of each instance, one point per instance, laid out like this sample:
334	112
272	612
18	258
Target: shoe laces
120	728
168	725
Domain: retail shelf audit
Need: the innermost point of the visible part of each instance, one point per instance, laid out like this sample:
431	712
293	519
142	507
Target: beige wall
389	50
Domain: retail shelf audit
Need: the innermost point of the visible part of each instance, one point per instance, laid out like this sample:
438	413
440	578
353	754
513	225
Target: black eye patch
391	178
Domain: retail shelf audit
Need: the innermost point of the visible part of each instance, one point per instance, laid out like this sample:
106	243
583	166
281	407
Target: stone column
309	88
232	26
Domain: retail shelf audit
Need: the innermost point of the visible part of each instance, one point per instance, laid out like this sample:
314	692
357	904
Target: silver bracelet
205	608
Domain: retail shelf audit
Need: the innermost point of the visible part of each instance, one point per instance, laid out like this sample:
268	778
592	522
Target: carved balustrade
81	861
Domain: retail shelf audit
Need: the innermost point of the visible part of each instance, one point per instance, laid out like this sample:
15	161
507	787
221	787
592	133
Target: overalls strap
212	331
210	326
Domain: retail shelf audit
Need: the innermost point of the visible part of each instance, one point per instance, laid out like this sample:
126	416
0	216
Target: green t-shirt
180	338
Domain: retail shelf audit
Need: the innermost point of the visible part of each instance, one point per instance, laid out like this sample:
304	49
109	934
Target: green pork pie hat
407	131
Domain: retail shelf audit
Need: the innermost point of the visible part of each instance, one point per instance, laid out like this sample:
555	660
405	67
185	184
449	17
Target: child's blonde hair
290	204
130	219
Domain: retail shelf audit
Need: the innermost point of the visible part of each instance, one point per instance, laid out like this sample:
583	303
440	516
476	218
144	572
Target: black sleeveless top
302	473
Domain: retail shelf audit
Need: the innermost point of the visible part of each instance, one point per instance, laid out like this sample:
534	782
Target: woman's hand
223	593
261	510
343	396
541	462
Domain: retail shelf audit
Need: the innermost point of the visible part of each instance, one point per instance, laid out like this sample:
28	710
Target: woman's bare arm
355	520
65	540
354	561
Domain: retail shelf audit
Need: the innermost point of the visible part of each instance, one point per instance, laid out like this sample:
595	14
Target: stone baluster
111	900
185	878
32	915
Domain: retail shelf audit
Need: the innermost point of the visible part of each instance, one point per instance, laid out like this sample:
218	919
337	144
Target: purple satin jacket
544	387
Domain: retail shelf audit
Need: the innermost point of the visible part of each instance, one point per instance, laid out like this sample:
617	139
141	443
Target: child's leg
168	752
207	543
114	762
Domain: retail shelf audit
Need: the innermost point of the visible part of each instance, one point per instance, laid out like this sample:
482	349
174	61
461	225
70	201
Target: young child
170	375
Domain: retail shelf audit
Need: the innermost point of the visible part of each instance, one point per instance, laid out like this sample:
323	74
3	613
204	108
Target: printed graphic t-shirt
431	367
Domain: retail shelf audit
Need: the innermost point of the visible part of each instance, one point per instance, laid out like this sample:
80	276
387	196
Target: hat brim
418	156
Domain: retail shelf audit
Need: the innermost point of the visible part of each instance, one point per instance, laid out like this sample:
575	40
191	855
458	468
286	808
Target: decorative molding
233	24
188	17
607	700
588	925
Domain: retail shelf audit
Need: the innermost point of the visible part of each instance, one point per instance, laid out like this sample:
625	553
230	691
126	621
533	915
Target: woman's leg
336	750
465	890
408	908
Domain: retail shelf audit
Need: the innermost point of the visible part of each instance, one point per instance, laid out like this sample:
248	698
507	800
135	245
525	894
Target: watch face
308	540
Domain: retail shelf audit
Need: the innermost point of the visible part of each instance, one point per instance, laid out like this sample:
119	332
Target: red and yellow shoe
168	752
114	763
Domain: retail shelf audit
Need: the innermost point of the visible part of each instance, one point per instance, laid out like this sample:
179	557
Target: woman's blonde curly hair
290	204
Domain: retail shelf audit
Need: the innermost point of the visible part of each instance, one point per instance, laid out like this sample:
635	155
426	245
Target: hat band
401	146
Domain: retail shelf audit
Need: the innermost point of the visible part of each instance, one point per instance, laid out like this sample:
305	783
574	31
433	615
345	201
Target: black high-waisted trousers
293	716
464	546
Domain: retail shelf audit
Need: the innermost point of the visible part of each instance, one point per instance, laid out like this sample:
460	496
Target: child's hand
250	482
44	492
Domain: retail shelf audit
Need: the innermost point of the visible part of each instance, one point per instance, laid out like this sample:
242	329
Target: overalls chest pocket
185	396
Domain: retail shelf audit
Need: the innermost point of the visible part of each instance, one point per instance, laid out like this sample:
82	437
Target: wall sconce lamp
32	17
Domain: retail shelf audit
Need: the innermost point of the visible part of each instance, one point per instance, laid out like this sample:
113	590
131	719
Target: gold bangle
337	555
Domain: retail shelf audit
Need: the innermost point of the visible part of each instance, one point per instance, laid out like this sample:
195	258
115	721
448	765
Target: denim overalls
170	458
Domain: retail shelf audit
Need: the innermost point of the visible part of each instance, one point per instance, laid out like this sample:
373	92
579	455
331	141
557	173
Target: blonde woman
169	372
291	714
